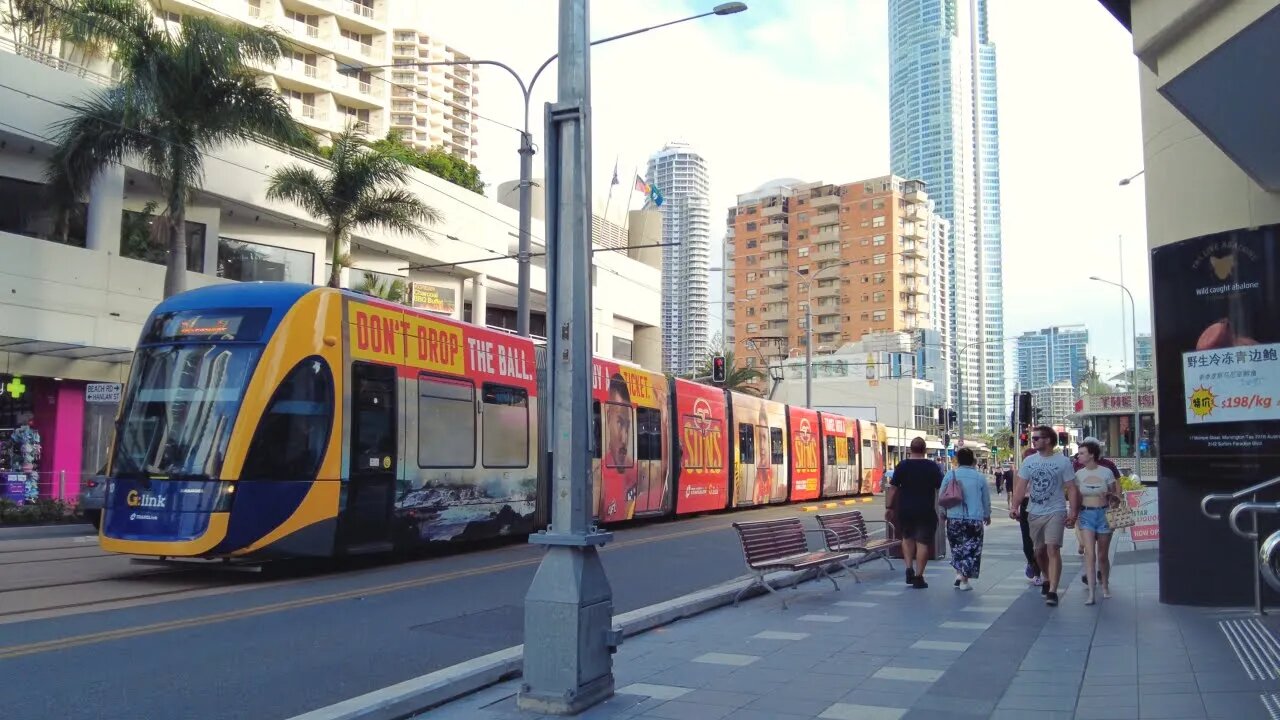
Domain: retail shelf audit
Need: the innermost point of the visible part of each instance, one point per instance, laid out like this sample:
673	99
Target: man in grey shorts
1050	479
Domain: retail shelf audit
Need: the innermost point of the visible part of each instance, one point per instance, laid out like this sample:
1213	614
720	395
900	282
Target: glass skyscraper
681	176
944	130
1052	355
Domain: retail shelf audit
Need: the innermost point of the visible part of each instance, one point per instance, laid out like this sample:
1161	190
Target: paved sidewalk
880	650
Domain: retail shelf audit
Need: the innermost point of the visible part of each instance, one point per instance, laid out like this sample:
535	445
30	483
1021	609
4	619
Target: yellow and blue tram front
226	442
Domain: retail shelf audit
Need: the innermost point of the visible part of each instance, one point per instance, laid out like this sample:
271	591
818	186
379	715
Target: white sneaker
965	586
1037	581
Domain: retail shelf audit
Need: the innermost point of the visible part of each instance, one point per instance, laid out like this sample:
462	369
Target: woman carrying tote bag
967	501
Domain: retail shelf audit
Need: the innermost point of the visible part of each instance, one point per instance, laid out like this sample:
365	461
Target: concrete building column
479	299
646	348
106	204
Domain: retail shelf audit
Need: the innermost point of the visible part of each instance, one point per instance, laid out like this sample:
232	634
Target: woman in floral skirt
965	522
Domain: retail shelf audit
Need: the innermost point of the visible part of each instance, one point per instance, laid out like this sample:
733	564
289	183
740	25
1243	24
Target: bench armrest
886	523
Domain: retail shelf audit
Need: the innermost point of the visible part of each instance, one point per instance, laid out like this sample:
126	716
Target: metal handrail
1237	495
1253	507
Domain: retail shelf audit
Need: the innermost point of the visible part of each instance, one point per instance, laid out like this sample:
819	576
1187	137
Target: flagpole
612	182
626	223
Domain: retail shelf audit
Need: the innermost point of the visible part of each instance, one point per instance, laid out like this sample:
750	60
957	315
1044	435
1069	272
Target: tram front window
182	403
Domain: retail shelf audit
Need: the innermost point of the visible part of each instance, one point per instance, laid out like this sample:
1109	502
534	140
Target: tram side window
775	440
446	423
291	438
746	444
831	451
506	427
649	434
595	430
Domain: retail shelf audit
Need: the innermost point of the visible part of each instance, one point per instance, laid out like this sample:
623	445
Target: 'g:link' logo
137	499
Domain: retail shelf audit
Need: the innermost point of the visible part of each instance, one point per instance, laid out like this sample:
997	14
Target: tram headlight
226	493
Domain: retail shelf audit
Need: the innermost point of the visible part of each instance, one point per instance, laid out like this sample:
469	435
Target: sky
800	88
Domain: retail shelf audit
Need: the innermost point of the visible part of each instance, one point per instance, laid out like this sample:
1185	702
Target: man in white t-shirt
1044	476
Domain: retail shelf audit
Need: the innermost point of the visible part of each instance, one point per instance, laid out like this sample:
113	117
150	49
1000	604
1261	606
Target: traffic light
1022	437
951	415
1024	407
717	370
1062	438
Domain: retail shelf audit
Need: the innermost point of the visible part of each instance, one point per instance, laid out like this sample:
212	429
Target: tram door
366	523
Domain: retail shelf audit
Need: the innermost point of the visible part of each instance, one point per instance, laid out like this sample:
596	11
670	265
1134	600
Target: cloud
800	89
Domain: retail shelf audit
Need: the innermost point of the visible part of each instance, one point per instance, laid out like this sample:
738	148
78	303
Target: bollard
62	485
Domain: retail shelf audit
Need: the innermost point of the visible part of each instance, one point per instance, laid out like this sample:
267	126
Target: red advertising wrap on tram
839	455
802	424
703	477
631	421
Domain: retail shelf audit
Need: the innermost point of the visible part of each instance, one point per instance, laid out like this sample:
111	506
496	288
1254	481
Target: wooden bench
846	532
770	545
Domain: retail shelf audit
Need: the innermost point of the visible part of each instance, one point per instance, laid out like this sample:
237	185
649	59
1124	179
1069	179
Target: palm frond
300	185
394	209
96	136
247	110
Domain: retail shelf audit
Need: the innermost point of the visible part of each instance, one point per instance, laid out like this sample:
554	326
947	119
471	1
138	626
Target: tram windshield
182	403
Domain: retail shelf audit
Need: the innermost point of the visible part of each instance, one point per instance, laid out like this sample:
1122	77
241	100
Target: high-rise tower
944	130
680	174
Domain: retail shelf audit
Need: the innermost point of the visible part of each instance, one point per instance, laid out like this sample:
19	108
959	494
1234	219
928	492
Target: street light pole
1133	379
524	253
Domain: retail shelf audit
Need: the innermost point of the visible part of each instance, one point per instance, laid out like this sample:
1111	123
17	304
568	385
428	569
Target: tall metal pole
526	219
568	639
808	347
1133	380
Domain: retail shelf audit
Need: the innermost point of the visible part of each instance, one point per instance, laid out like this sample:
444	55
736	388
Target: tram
273	420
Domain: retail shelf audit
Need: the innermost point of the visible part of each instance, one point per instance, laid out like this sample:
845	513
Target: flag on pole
615	174
641	185
655	195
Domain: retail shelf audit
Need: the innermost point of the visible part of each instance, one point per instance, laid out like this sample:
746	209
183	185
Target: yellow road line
809	508
139	631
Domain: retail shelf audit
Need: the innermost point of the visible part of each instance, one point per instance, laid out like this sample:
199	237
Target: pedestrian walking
966	521
912	497
1104	462
1099	489
1048	479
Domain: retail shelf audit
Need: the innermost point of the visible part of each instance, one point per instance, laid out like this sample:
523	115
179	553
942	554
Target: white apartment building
681	176
334	69
1056	402
75	301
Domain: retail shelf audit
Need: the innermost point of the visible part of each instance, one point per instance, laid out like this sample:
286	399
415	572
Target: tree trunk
175	273
335	271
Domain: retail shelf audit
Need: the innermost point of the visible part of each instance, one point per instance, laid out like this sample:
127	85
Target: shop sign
103	393
13	387
15	488
1217	348
433	298
1146	515
1116	402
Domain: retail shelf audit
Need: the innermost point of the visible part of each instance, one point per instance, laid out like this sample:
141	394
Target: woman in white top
1098	490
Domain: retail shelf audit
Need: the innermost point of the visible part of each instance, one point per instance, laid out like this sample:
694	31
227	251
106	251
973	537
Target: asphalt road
282	646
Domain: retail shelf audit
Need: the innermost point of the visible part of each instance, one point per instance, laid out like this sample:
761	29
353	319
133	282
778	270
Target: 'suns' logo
137	499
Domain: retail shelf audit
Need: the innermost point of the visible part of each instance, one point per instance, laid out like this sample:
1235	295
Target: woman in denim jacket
965	522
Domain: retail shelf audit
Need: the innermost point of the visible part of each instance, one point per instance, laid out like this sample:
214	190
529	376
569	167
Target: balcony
911	287
353	47
772	294
823	202
782	313
774	210
911	249
914	269
775	228
827	218
830	324
821	253
821	291
775	243
915	231
915	212
913	194
773	261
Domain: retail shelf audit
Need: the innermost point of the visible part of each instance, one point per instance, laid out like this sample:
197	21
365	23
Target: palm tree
738	379
180	96
390	290
358	192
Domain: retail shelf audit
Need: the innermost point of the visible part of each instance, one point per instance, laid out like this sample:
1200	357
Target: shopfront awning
67	351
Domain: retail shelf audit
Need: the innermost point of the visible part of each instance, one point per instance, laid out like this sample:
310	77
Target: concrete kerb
429	691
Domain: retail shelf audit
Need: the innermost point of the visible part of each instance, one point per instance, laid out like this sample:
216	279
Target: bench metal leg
759	580
851	568
822	573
